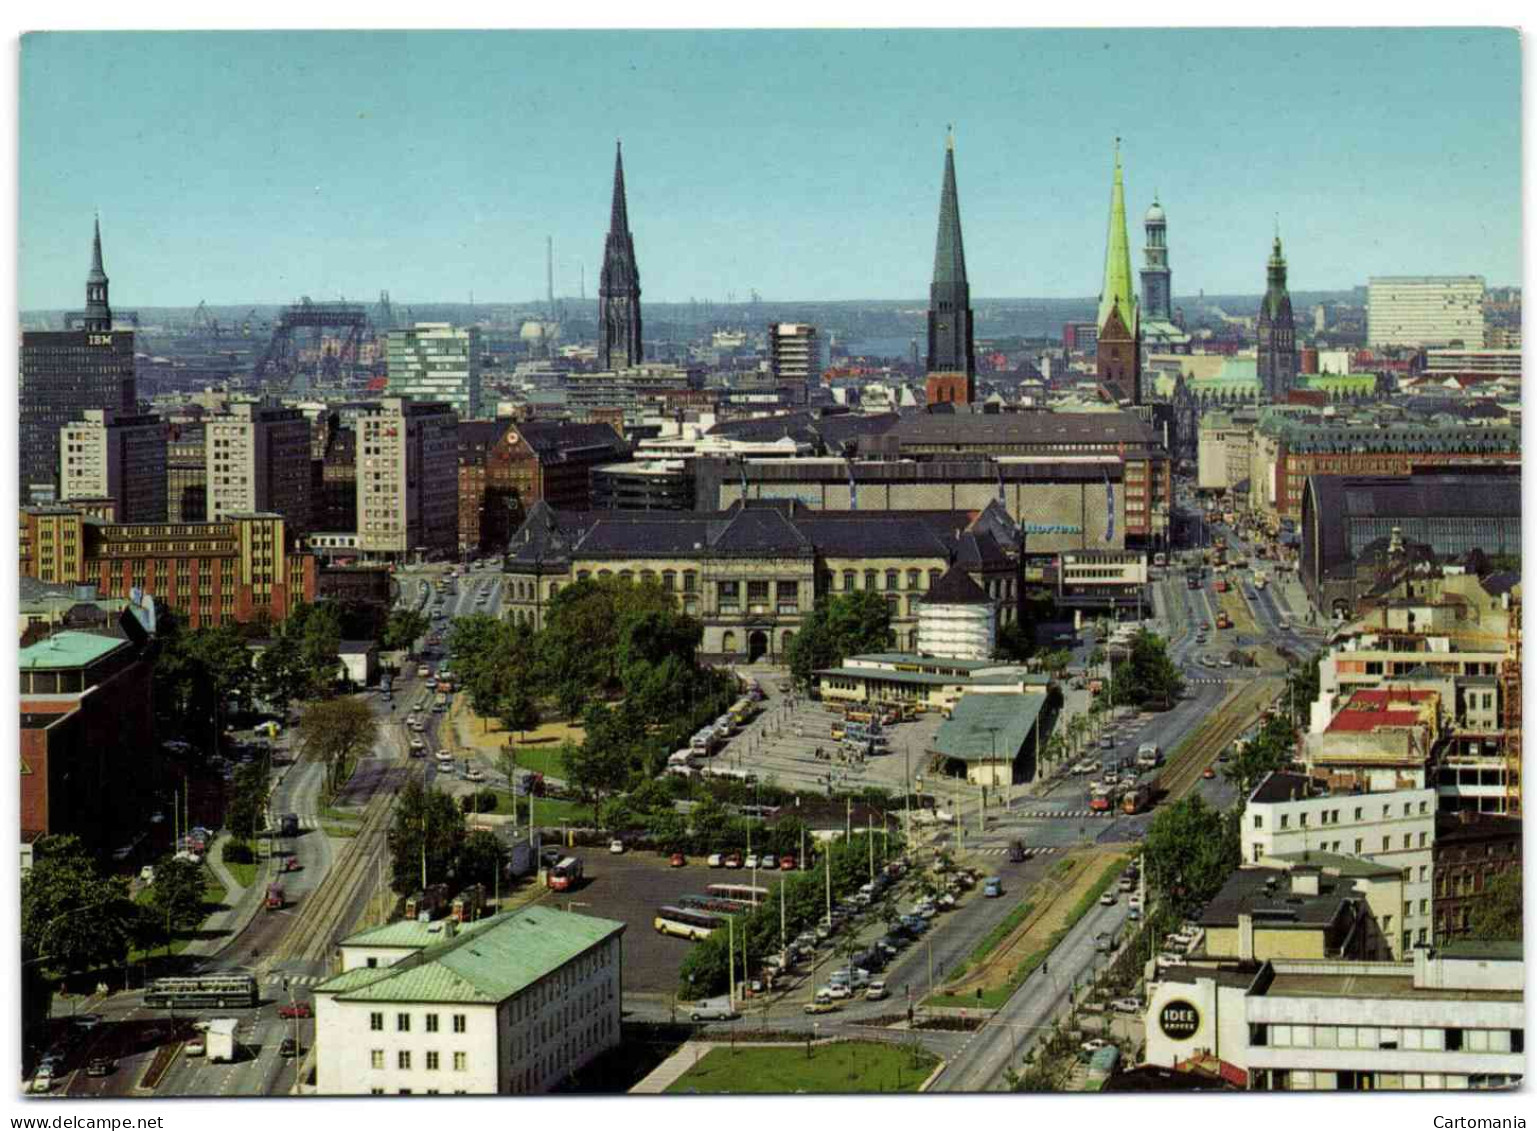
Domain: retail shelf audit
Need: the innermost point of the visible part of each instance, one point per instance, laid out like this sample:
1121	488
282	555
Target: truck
426	905
522	860
219	1040
276	899
1148	755
288	824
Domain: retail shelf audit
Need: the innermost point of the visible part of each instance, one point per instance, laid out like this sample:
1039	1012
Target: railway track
1230	719
317	920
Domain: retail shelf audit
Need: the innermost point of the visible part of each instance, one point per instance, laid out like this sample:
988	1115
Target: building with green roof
511	1005
993	738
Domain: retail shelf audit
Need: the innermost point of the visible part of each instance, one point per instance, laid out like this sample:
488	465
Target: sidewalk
240	906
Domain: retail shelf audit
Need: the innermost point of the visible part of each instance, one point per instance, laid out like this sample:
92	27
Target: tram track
1226	722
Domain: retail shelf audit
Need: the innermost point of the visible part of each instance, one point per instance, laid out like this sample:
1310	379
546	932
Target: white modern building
434	361
1492	362
112	455
511	1005
408	480
1222	450
1288	816
957	619
795	353
1425	310
1451	1018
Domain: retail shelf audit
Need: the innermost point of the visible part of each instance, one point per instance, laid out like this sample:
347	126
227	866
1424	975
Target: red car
295	1010
787	863
291	864
733	860
1208	772
676	860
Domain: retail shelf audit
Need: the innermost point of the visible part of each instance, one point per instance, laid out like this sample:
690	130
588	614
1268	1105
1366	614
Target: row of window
403	1022
1387	1037
403	1060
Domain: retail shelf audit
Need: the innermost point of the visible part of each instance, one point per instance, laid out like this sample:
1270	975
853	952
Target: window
376	1091
373	963
1387	843
1259	821
891	579
460	1060
376	1022
432	1061
458	1022
1285	820
757	592
376	1058
402	1022
1358	813
870	579
403	1058
1360	844
432	1022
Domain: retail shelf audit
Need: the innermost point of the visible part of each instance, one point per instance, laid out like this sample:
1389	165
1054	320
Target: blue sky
256	167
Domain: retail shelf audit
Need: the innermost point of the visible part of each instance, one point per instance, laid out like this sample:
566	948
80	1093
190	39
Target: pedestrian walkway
1000	850
240	906
278	979
1074	813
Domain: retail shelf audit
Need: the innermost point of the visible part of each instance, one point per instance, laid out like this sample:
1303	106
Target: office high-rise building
408	480
952	362
795	355
619	340
64	373
1425	310
436	362
258	459
1118	349
186	463
106	455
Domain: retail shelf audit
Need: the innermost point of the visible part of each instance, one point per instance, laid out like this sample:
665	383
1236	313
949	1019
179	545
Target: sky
261	166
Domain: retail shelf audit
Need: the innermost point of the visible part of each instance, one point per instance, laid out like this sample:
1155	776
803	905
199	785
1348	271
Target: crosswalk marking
276	979
1064	813
1038	850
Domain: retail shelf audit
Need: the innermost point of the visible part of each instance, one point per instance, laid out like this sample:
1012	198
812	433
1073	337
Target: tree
472	642
1498	914
176	898
425	834
196	672
841	625
248	803
73	918
668	828
1271	749
1147	676
481	857
281	675
708	821
336	733
1014	643
1190	851
601	764
402	630
518	711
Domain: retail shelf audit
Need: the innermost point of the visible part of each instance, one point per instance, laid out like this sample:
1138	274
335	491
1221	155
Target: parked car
751	861
616	847
86	1021
1093	1045
1208	773
42	1081
1127	1005
195	1047
289	1048
787	863
733	859
715	860
295	1010
712	1011
677	860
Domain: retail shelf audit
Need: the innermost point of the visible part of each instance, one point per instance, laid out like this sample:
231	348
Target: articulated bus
204	991
742	893
687	924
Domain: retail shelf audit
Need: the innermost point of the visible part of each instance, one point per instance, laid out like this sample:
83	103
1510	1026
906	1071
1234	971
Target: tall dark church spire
619	344
1276	332
98	315
951	354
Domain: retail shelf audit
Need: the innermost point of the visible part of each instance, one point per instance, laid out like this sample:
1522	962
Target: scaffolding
1510	688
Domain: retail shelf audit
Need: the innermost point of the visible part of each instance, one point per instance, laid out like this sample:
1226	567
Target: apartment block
1425	310
258	459
408	480
117	456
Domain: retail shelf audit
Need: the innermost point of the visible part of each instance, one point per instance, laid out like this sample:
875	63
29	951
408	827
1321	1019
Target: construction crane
1510	688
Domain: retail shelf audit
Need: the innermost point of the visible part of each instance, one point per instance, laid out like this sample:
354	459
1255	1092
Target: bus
202	991
687	923
742	893
565	875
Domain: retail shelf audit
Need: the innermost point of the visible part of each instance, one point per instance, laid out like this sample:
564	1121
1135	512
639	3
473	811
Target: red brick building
86	738
479	525
549	461
234	571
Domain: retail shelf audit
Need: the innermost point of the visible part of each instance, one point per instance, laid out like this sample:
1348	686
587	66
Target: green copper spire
1275	278
1117	290
949	253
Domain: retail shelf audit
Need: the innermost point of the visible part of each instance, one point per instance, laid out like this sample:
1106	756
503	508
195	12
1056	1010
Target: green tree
588	630
282	675
196	673
1270	749
472	642
1190	851
1147	676
426	831
518	711
336	733
176	898
840	625
601	765
72	917
708	821
1498	914
248	802
1014	643
481	857
402	630
668	827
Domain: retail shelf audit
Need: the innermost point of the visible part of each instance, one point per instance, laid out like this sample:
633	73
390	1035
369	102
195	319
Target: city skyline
255	195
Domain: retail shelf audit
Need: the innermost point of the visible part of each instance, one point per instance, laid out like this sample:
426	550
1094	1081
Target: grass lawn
245	874
546	811
844	1066
543	759
213	896
340	830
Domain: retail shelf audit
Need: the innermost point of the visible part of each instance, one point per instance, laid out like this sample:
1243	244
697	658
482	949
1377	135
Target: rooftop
986	726
485	964
68	650
1365	987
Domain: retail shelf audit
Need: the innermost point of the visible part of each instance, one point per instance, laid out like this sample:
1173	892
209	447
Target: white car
43	1081
195	1047
1108	899
1094	1044
616	846
875	991
473	774
715	860
837	991
751	861
1127	1005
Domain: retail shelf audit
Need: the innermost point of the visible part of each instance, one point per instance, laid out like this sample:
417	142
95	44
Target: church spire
98	314
952	355
619	327
1117	290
